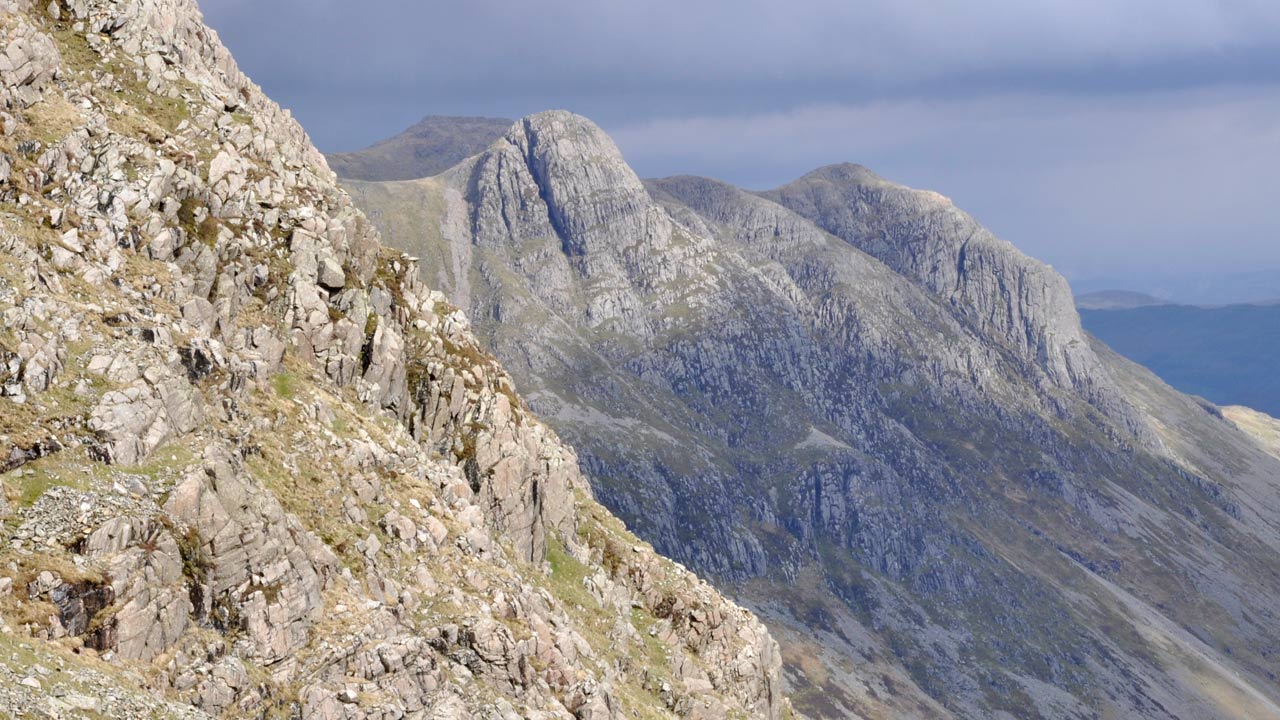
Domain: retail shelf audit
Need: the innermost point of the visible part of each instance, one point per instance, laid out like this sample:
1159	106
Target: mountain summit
1010	298
433	145
878	424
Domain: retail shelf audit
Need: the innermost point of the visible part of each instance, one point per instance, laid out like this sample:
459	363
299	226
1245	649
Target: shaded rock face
251	465
879	424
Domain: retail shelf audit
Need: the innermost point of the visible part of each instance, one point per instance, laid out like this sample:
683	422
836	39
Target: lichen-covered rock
264	573
145	567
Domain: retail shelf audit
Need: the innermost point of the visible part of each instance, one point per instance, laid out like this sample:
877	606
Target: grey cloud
619	58
1139	184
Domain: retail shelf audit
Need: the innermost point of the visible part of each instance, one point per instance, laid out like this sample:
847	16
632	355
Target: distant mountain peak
1009	297
431	123
844	171
586	192
854	174
560	136
431	146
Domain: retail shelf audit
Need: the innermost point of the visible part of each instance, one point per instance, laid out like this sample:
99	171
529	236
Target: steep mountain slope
433	145
251	466
877	423
1226	354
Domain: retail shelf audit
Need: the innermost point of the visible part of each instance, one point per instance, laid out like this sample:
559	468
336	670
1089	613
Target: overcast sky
1128	139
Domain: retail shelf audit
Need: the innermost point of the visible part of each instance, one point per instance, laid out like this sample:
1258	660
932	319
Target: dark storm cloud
616	59
1098	134
1156	183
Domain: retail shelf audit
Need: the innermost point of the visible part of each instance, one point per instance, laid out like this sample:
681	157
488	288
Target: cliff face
882	427
1013	301
252	465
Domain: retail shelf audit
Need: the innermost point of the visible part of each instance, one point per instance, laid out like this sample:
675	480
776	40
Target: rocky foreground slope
251	465
877	423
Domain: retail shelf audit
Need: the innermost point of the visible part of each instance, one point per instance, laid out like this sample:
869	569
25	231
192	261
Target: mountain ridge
987	459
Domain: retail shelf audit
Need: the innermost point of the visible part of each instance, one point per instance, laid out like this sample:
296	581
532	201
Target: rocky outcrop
145	567
253	462
261	571
30	59
134	421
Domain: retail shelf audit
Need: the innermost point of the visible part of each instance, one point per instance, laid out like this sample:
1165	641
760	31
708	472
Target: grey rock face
882	422
265	572
136	420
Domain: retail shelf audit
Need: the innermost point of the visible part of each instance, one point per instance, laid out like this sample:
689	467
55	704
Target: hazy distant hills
432	146
1225	354
1116	300
1230	288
